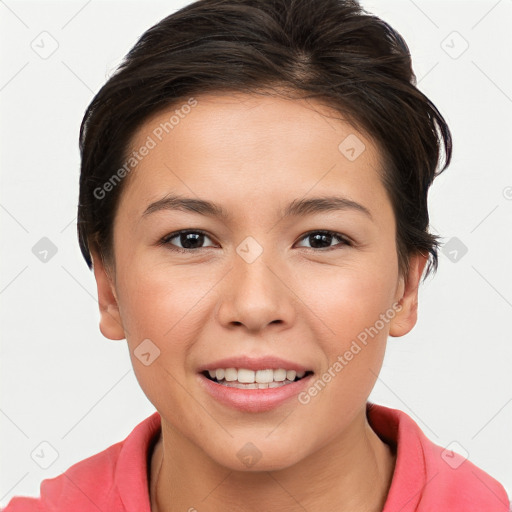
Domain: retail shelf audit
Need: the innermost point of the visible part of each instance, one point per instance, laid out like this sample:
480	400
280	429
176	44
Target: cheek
350	299
165	307
355	307
159	301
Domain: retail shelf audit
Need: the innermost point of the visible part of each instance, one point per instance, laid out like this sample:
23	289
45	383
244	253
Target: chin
250	459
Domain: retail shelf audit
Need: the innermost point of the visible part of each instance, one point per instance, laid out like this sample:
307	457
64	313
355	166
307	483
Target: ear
111	325
406	318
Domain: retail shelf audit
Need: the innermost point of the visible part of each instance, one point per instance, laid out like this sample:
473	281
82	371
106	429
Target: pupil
320	236
186	240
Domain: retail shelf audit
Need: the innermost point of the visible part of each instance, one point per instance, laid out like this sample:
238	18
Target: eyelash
165	241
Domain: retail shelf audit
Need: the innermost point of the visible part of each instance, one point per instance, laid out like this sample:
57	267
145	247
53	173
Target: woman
253	203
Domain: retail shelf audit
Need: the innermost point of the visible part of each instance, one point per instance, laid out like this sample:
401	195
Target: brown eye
189	240
323	239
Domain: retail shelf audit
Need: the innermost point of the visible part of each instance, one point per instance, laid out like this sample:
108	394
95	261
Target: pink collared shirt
427	478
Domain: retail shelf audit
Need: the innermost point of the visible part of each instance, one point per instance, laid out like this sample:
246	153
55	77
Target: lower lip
253	400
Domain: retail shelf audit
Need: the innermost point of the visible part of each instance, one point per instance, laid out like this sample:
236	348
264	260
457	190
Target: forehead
234	142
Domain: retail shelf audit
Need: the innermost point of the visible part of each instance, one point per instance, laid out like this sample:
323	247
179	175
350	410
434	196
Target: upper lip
254	363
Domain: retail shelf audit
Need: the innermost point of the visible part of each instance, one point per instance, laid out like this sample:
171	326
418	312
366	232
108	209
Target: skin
253	155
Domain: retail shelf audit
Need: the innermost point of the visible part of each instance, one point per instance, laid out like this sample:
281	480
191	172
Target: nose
256	293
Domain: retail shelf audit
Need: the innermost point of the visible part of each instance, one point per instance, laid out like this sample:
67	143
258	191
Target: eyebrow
298	207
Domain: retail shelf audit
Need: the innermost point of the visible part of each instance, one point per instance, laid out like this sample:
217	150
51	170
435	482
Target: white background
64	383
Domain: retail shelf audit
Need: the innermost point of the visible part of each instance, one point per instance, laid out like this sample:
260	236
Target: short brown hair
329	50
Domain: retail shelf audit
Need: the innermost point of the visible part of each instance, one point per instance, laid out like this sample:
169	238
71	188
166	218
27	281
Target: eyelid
165	241
346	241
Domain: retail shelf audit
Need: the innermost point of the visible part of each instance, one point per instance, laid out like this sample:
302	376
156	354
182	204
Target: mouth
243	378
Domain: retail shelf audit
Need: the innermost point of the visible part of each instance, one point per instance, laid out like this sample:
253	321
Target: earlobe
406	318
111	325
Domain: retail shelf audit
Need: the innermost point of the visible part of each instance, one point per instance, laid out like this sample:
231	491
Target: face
267	285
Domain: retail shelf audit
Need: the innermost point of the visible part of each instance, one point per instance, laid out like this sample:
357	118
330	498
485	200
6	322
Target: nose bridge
254	279
254	294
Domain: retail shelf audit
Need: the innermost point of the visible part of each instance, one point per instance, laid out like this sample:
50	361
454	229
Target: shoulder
428	476
459	482
103	481
81	488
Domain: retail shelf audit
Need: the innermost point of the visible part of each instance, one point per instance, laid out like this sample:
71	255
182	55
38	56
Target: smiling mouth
242	378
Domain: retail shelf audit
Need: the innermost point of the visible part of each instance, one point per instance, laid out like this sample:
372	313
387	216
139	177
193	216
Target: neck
351	473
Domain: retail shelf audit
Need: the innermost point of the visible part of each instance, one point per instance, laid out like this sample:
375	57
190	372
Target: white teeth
254	385
262	379
246	376
279	375
291	374
264	376
230	374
